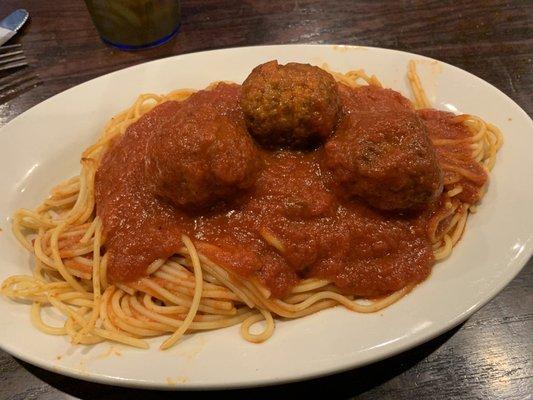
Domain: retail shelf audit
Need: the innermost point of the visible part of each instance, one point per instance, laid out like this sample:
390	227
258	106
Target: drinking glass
135	24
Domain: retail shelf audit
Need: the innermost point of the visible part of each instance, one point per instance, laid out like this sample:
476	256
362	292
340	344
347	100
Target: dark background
488	357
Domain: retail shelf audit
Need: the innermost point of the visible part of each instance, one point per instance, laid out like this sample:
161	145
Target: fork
14	83
11	57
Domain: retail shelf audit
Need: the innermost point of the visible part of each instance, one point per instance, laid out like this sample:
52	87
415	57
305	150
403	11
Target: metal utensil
11	24
11	57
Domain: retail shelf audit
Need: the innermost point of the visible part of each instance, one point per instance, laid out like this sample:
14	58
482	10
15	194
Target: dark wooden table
488	357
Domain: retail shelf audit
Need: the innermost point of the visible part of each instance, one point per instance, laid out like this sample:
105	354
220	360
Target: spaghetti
188	292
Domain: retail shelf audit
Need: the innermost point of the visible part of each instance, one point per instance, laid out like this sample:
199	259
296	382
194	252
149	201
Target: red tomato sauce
365	252
442	129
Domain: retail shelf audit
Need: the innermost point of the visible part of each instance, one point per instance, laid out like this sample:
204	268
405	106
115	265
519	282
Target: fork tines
12	56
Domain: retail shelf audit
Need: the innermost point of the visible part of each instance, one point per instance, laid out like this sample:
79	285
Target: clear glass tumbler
135	24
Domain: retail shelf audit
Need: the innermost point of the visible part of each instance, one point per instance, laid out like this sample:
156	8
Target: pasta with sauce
180	221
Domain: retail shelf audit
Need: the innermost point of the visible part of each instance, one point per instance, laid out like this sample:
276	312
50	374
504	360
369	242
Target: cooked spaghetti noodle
188	292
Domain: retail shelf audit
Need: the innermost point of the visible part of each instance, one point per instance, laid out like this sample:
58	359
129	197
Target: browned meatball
386	159
202	156
293	105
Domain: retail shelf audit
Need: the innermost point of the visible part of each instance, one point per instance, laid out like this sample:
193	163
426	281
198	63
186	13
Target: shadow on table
345	384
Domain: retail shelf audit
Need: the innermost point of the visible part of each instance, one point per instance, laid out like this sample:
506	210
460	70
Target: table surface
491	354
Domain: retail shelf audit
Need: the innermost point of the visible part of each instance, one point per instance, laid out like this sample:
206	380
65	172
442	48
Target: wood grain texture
488	357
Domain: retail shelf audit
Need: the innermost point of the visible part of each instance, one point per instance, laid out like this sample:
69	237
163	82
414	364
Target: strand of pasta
196	298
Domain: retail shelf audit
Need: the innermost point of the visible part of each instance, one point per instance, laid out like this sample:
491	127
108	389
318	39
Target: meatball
202	156
386	159
293	105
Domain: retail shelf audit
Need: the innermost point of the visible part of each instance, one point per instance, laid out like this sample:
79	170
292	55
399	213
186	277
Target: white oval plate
43	145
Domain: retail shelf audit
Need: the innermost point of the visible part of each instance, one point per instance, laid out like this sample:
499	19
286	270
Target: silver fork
14	83
11	57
